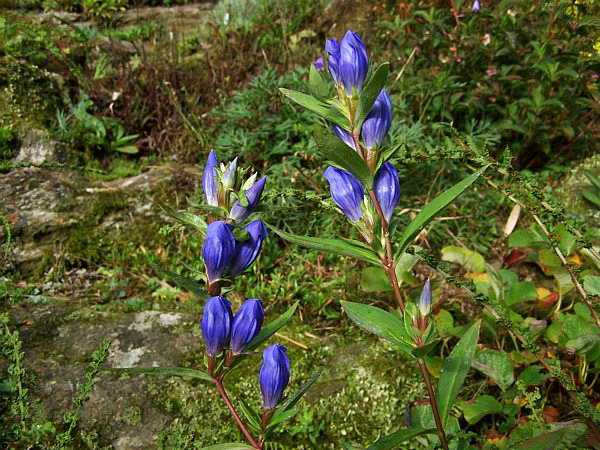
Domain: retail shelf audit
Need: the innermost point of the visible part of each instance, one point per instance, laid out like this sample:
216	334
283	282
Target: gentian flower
476	6
216	324
346	191
274	375
218	249
247	251
387	189
238	211
229	175
209	179
318	63
246	324
333	51
353	63
378	121
425	300
345	136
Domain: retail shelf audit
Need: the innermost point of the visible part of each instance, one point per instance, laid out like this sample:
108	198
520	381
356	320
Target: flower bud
387	189
353	63
218	249
333	52
476	6
240	212
274	375
345	136
318	63
425	300
378	121
346	191
216	324
209	179
248	250
229	175
246	324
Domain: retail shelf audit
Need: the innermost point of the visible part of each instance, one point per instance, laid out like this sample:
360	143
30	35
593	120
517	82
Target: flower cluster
229	248
225	332
348	64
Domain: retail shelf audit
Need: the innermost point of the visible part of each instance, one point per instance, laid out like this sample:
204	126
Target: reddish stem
223	393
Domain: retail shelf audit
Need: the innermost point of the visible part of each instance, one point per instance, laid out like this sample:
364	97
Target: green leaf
324	110
521	291
592	197
371	91
434	207
128	149
331	148
293	399
593	179
316	83
532	376
456	367
379	322
468	259
566	241
553	439
229	446
185	283
404	267
182	372
272	327
252	417
481	407
496	365
374	279
591	284
281	416
392	441
335	246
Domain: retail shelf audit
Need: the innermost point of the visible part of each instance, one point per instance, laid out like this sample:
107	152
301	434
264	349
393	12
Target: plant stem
236	416
434	405
388	261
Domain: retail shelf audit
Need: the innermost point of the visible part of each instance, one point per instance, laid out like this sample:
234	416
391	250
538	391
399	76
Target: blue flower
387	189
216	324
248	250
318	63
476	6
345	136
238	211
378	121
333	52
209	179
425	300
353	63
274	375
246	324
346	191
218	249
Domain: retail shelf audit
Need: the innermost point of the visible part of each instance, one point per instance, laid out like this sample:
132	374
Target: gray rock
37	148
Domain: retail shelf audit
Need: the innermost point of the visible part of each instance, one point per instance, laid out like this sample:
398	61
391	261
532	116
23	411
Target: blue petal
378	121
238	211
216	324
218	249
274	375
353	62
246	324
346	191
387	189
333	51
247	251
345	136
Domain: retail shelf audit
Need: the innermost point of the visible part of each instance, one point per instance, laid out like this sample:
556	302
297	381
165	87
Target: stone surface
37	148
44	206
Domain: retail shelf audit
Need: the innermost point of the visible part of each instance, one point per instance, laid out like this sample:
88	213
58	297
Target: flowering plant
365	186
232	243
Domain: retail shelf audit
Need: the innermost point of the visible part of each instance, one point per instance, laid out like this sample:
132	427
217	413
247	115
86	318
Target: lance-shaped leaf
318	86
338	153
379	322
272	327
455	369
433	208
336	246
286	410
182	282
325	110
370	92
182	372
392	441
